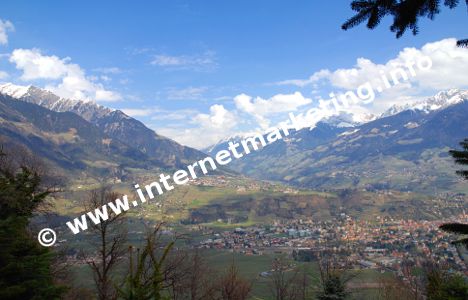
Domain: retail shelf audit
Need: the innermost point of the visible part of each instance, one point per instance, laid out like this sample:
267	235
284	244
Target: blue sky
179	65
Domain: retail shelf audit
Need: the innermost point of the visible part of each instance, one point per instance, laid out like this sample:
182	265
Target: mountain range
83	137
405	148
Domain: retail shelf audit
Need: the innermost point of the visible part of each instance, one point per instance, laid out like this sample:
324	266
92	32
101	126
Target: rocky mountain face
65	140
406	148
112	123
82	138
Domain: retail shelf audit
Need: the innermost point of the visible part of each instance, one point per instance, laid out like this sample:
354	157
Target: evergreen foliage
25	266
405	13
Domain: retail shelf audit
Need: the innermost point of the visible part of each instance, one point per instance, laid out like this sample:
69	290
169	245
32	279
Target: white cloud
5	27
449	64
72	80
207	128
277	103
260	108
37	66
204	61
218	118
104	95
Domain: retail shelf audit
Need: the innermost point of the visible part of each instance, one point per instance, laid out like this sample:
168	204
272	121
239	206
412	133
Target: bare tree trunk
232	286
284	280
193	278
110	246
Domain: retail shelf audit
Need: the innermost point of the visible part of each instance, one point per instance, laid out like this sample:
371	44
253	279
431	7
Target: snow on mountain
347	119
232	138
15	91
441	100
94	112
88	110
113	123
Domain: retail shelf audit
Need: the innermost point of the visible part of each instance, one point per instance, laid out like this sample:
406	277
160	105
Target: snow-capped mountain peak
440	100
15	91
87	109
